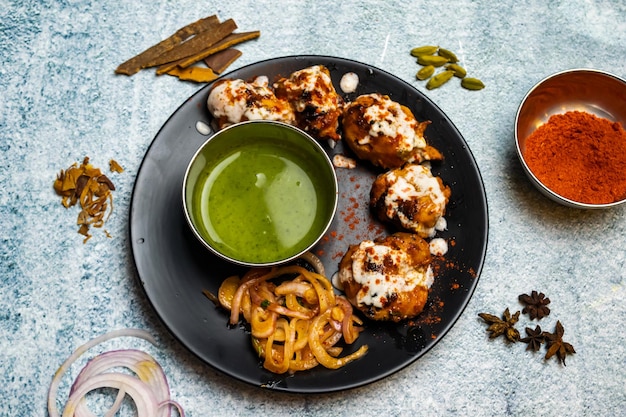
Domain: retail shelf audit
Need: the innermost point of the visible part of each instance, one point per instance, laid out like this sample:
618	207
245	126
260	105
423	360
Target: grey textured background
60	101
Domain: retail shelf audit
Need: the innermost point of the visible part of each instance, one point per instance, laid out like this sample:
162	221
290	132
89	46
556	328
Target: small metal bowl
260	193
588	90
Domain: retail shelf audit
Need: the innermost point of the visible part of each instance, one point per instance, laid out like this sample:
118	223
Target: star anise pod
534	338
556	345
502	326
536	305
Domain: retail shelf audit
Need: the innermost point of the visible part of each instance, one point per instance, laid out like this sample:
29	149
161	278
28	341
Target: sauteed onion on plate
296	320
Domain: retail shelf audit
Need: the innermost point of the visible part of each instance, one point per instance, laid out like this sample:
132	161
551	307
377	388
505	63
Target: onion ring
148	388
318	350
314	261
295	324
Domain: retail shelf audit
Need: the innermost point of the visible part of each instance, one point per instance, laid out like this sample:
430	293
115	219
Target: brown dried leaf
81	182
70	179
114	166
104	180
85	184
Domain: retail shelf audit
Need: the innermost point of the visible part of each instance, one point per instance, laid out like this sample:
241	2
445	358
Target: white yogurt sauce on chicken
418	182
371	268
312	80
442	224
237	100
262	80
386	118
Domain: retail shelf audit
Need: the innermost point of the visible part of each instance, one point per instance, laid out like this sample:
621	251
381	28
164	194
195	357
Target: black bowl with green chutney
260	193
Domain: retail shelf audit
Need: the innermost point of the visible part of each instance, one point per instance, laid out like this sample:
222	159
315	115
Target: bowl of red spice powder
570	138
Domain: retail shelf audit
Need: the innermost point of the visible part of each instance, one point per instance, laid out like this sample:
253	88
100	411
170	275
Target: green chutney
261	201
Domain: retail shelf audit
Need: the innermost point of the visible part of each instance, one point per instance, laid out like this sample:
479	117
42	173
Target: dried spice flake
502	326
536	305
534	338
91	189
556	345
114	166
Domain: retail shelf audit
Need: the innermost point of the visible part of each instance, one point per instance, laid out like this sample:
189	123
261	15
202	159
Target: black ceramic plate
174	268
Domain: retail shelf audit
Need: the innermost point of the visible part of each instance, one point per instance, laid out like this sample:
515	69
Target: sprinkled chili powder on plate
580	156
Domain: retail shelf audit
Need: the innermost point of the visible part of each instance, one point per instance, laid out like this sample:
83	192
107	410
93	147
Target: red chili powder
579	156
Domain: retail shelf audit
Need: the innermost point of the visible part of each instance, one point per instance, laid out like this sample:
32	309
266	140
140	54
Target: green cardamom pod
472	83
440	79
448	54
425	72
434	60
424	50
459	71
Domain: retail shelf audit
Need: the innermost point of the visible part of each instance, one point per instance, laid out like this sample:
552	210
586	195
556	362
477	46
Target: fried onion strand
296	324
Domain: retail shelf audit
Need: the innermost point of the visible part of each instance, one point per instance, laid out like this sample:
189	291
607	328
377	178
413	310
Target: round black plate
174	269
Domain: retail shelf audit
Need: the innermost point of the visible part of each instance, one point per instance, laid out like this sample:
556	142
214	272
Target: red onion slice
148	386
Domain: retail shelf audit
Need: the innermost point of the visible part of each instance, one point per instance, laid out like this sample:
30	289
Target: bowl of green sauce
260	193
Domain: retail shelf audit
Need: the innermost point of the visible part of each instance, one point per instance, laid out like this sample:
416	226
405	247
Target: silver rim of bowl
335	184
